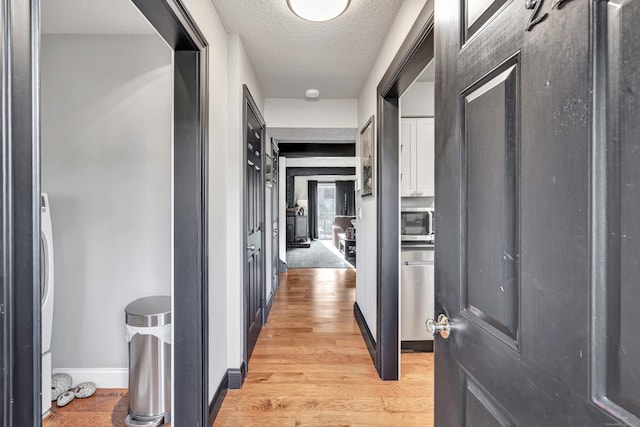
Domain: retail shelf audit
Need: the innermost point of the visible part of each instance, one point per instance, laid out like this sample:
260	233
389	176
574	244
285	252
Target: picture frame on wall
367	148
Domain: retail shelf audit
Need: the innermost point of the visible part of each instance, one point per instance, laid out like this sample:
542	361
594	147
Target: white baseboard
103	377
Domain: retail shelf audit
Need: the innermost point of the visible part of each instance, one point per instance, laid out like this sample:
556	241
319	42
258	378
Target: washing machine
46	288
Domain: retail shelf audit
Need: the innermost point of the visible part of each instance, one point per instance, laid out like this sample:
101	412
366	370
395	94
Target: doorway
272	183
321	221
326	205
106	185
417	210
21	206
415	53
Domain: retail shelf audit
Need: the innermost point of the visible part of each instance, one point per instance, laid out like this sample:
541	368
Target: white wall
300	113
419	100
106	164
367	230
240	72
229	69
318	162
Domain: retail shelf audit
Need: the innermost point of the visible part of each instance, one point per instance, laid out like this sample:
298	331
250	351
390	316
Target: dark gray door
537	202
254	222
275	220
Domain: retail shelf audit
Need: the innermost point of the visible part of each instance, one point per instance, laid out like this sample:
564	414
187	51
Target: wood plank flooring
107	408
310	366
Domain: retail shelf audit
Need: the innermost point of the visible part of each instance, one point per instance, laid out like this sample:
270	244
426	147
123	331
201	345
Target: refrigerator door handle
418	262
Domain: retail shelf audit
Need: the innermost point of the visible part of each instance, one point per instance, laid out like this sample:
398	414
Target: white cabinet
407	148
417	157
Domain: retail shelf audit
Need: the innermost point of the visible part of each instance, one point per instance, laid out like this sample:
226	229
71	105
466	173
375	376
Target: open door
538	233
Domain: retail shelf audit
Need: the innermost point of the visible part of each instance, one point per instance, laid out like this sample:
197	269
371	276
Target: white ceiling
290	55
92	17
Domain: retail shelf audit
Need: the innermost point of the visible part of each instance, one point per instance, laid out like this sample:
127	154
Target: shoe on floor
65	398
60	383
84	390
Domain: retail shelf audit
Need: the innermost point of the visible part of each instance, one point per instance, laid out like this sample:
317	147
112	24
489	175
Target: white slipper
84	390
60	383
65	398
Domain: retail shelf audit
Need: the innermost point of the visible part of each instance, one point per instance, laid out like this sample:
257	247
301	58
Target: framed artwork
367	147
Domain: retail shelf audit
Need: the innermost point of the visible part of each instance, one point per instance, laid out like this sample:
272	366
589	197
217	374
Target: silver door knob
442	326
251	247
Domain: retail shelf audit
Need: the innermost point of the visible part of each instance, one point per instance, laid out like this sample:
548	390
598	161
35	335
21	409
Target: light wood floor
310	366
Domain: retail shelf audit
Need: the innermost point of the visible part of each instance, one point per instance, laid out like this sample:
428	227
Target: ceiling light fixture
318	10
312	93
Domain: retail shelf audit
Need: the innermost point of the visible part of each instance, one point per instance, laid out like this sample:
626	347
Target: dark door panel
481	408
617	202
476	13
536	257
254	274
490	297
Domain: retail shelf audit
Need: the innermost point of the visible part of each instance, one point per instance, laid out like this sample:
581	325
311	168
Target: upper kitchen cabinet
417	157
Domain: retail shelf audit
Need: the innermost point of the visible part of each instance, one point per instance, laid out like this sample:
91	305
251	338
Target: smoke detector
312	93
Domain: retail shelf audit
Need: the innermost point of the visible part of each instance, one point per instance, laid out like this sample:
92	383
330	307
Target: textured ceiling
92	17
290	55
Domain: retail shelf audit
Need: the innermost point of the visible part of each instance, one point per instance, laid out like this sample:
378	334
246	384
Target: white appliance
416	297
46	288
416	224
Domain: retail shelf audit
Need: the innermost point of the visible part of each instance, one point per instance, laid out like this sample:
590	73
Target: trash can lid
149	311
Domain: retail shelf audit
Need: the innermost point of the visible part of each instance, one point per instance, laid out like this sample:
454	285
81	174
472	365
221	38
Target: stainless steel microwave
416	224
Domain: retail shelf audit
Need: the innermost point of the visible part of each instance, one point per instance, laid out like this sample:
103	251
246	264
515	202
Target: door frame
20	267
191	171
275	219
416	51
20	158
249	105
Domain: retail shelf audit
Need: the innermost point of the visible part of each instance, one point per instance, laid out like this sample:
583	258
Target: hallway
310	366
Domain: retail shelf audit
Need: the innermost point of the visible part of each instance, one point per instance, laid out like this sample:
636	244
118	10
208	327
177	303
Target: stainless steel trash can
147	320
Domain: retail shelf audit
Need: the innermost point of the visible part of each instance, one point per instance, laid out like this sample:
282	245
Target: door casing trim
20	358
249	104
414	54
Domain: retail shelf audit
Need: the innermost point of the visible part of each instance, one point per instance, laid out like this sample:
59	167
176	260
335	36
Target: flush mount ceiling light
318	10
